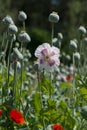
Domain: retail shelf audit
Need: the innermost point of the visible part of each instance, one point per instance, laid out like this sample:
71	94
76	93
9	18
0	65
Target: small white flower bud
24	37
77	55
53	17
82	30
22	16
12	29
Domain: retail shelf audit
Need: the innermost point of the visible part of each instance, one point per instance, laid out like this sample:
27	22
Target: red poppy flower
17	117
69	78
57	127
1	112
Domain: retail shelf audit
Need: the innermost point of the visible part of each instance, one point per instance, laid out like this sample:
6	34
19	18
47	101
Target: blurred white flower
48	57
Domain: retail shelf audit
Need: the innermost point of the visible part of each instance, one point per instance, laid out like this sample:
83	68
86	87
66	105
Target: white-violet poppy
48	57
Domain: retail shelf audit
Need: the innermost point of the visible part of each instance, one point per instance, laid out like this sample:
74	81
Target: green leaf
66	85
37	103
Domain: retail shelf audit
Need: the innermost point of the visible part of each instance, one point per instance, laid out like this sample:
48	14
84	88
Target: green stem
15	80
24	25
21	78
52	34
8	66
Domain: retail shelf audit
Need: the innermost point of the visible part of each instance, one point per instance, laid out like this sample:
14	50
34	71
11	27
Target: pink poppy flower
48	57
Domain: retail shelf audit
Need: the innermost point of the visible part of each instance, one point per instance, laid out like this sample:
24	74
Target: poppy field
48	93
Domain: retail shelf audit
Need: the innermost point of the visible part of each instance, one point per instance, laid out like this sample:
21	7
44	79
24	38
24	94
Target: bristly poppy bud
22	16
53	17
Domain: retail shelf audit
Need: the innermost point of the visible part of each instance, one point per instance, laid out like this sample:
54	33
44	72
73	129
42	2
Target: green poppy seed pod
77	55
73	44
53	17
22	16
82	30
7	20
24	37
12	29
84	112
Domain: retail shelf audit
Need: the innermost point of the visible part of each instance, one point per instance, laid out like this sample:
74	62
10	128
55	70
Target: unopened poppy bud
53	17
24	37
22	16
12	29
82	30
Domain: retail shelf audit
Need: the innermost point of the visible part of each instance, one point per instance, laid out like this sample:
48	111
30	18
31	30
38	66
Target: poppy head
17	117
57	127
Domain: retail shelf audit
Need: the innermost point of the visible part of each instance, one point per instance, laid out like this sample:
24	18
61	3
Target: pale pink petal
51	62
41	61
52	53
40	48
44	52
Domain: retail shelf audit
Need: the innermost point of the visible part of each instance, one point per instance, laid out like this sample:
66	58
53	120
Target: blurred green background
72	14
